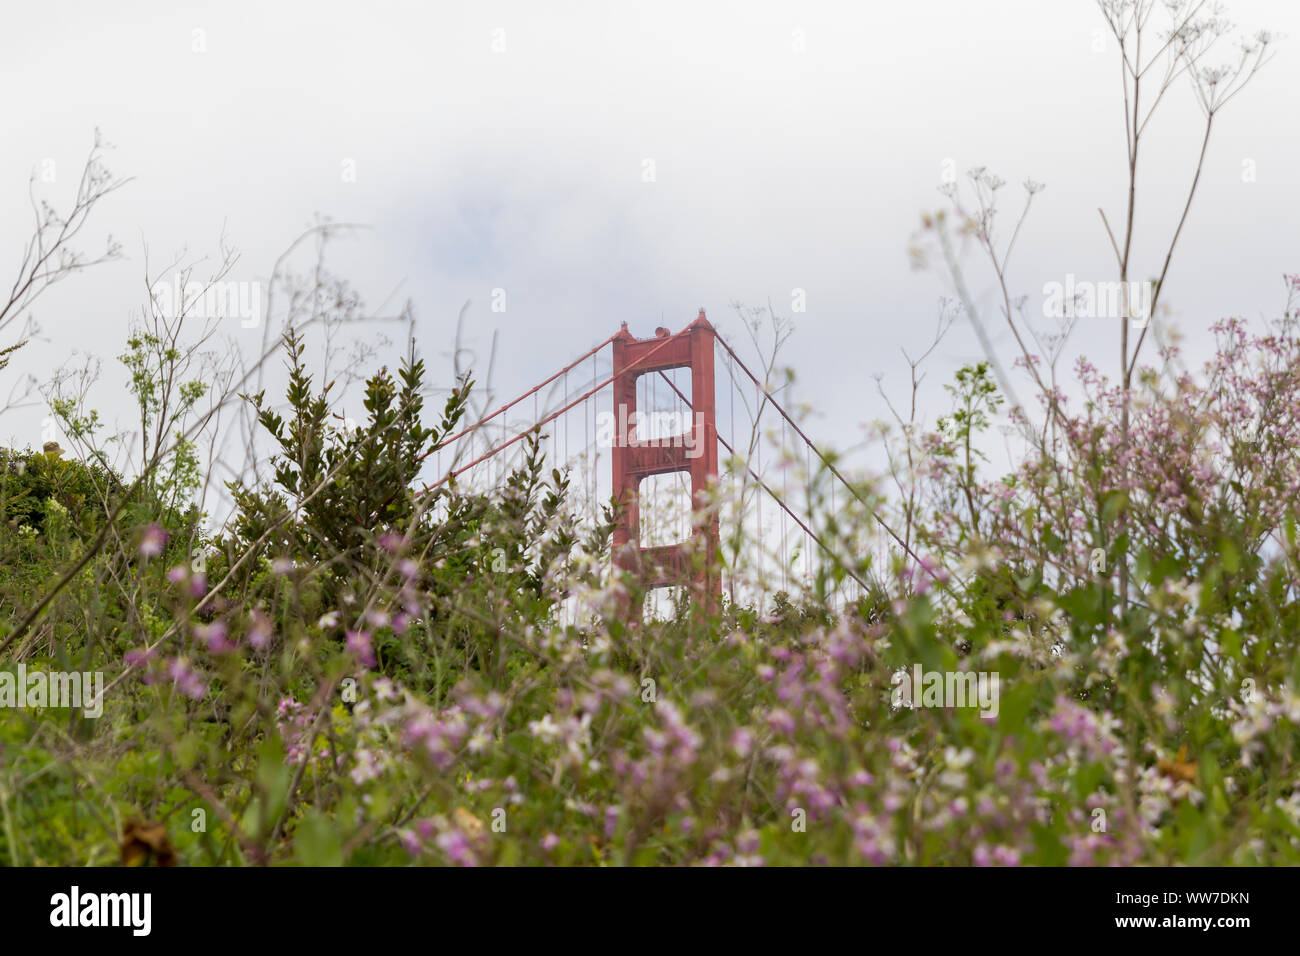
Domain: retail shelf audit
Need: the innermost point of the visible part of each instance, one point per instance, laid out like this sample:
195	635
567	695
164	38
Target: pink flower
214	638
259	631
140	656
742	742
410	842
187	680
358	644
781	721
457	847
152	541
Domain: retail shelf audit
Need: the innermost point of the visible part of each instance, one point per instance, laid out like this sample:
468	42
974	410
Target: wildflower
358	644
366	769
469	823
214	638
457	847
781	721
410	842
259	631
187	680
546	728
742	742
140	656
152	541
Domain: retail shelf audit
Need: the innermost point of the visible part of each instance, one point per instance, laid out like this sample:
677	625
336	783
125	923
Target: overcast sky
505	145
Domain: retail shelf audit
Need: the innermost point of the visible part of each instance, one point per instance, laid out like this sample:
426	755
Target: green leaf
1115	503
1014	706
1230	555
317	841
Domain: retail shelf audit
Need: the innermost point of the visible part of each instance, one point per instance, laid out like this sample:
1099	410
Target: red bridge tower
634	460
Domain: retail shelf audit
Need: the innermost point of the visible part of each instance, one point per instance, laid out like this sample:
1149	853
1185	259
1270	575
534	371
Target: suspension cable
825	461
511	404
549	418
775	497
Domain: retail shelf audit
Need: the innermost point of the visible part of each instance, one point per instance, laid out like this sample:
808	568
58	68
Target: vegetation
355	669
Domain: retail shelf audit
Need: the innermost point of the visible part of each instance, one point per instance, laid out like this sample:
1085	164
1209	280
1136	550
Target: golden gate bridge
657	411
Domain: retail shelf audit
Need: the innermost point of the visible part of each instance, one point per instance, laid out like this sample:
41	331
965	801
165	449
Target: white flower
958	758
366	768
546	728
